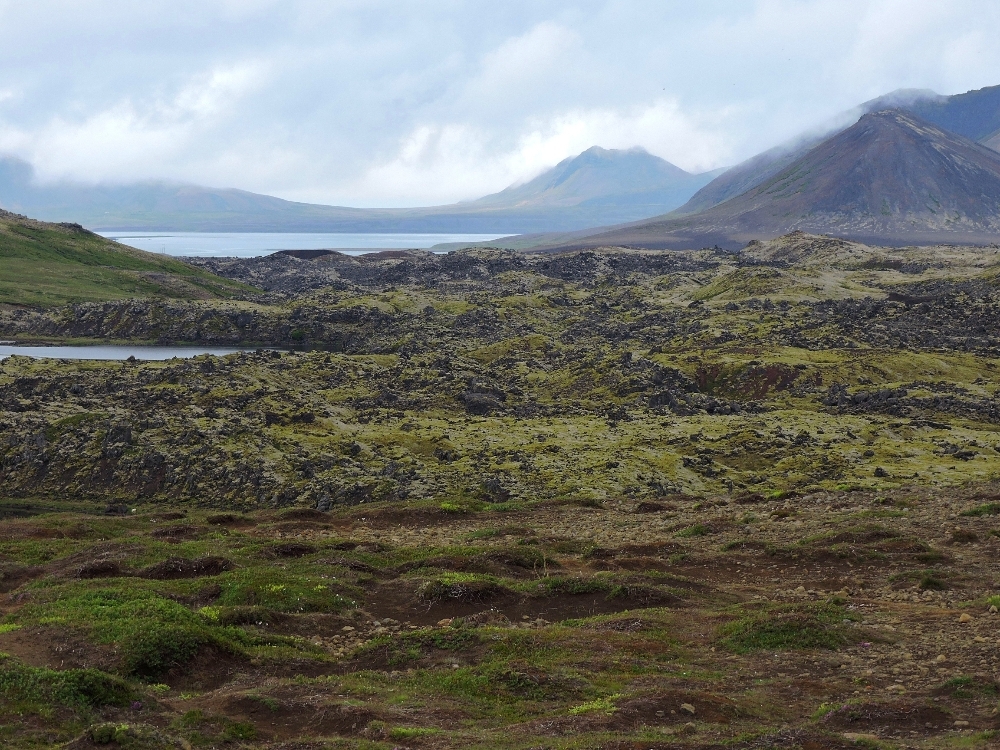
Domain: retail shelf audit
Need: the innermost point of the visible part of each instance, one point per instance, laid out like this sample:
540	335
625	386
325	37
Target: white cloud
524	68
372	102
132	138
454	162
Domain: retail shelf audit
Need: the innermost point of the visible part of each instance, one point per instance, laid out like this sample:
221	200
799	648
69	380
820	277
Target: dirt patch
509	563
969	688
400	600
648	506
288	549
172	515
13	576
178	567
635	564
356	565
57	649
664	549
102	569
14	531
652	745
492	617
886	717
384	518
293	527
232	520
178	532
306	625
672	707
623	625
466	592
282	717
92	562
797	739
304	514
210	669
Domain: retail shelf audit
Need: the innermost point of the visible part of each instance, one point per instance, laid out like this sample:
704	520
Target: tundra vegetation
604	499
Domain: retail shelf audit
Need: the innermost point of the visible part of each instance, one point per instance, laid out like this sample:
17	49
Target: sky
404	103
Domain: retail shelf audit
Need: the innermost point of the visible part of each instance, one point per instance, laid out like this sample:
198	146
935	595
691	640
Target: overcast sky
368	103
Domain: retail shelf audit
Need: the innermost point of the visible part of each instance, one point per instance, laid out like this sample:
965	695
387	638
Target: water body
113	352
253	244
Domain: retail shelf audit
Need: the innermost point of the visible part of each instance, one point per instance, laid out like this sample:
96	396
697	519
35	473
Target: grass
697	529
819	626
153	634
37	690
967	688
261	587
787	491
411	647
411	733
987	509
50	264
468	682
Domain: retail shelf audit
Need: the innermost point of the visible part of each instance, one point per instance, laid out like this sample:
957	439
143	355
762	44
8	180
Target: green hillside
45	264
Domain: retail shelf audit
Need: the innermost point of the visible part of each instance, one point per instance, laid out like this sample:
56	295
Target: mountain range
916	168
891	178
911	166
598	187
974	115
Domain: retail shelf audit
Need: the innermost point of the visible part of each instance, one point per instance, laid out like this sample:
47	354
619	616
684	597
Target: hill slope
974	115
52	264
891	177
596	188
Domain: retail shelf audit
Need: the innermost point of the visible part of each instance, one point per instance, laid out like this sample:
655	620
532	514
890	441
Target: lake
253	244
113	352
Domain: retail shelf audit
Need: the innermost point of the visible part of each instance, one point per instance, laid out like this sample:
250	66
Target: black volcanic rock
891	177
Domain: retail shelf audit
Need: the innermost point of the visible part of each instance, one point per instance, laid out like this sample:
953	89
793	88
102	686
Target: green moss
604	705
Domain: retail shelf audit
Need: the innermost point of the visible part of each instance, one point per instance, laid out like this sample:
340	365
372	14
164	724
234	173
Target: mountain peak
890	173
603	177
974	115
890	178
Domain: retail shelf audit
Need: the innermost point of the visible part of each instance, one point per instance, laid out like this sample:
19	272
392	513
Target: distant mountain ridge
891	178
604	177
597	187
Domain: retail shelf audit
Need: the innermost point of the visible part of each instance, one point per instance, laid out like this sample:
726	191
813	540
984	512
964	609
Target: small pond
113	352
